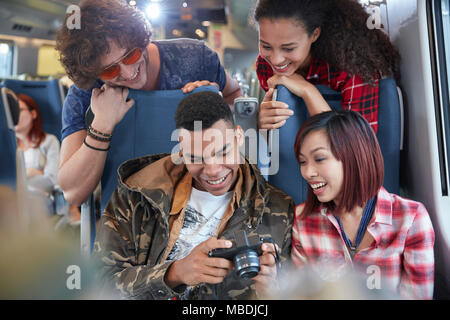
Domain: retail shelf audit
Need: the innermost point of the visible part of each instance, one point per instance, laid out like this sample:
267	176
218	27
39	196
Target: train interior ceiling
418	28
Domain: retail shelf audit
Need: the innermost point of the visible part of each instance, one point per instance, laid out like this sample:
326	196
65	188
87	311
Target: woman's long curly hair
81	49
345	40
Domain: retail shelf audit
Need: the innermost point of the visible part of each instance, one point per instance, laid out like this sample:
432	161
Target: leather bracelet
98	137
94	148
107	135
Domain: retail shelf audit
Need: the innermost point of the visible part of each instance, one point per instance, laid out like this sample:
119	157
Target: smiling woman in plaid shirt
348	218
303	43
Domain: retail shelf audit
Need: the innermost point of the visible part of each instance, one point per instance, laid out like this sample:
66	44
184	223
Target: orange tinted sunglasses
112	71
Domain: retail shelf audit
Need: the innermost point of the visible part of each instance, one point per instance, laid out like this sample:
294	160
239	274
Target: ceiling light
153	10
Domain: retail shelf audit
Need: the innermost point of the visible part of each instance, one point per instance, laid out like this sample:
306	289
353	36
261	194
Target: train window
445	51
48	62
445	7
6	58
439	33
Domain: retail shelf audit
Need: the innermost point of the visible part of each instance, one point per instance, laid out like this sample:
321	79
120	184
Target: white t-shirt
45	158
202	218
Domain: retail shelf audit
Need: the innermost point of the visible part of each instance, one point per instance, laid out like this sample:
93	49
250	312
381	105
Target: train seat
47	95
289	179
9	115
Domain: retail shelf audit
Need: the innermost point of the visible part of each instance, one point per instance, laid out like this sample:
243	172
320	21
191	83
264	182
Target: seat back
48	98
8	119
289	179
145	129
390	132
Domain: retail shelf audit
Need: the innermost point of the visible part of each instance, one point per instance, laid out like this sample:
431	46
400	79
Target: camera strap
276	255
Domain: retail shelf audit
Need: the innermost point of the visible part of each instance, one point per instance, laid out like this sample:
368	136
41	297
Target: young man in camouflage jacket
153	239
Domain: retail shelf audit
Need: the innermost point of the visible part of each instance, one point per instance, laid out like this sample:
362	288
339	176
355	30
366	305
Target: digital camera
244	253
245	107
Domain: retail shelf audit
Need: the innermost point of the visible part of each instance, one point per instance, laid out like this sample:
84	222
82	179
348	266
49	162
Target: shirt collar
181	194
383	208
382	220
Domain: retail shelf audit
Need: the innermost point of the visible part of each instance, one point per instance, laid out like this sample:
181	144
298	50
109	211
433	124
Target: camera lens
247	264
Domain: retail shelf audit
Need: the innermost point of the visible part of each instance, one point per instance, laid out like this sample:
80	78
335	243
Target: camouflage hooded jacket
133	232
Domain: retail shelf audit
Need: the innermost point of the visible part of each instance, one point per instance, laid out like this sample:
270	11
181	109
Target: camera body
246	116
245	107
246	112
244	252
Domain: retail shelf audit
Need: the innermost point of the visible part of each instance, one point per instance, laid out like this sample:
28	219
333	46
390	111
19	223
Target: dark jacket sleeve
118	250
286	249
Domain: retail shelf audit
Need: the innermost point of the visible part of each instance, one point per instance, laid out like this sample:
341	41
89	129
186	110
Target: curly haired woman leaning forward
303	43
348	218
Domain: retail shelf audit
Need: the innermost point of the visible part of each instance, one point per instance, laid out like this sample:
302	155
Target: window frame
440	88
12	47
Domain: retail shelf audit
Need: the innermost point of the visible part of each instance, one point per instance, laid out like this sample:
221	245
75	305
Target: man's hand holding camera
198	267
212	260
268	273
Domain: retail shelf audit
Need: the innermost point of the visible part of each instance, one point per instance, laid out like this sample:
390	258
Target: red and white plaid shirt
357	95
402	248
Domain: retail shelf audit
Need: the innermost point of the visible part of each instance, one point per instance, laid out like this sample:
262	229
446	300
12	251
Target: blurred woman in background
41	151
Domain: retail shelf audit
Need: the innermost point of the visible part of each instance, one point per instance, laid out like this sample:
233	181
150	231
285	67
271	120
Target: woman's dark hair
207	107
81	49
353	142
36	134
345	40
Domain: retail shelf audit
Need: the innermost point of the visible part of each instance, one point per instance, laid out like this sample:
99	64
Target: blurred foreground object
37	261
325	281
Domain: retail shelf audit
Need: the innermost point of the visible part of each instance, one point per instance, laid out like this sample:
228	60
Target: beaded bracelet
94	148
98	137
100	133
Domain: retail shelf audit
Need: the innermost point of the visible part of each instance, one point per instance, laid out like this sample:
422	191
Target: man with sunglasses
109	53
